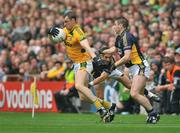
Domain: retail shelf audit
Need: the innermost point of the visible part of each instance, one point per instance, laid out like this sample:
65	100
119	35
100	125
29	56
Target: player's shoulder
129	34
78	30
131	37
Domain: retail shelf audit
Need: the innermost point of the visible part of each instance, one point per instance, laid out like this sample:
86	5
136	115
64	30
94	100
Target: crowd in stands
25	48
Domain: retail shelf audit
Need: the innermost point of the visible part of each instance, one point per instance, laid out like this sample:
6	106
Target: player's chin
68	27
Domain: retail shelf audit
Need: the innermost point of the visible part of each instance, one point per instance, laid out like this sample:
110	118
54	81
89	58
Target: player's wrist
114	67
91	83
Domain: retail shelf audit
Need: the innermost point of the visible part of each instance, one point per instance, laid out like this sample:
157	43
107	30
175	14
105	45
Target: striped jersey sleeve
80	35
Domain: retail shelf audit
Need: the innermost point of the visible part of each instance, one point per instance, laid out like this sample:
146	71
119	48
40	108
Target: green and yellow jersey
73	48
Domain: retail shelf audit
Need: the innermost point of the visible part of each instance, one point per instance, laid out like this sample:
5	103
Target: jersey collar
76	25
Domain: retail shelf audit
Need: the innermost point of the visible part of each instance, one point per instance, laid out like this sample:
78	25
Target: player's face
117	27
177	58
58	65
107	57
69	64
168	66
68	23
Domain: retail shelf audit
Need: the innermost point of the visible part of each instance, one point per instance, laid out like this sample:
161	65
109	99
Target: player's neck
122	32
73	26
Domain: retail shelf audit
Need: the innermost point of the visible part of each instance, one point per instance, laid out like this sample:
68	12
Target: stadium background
26	51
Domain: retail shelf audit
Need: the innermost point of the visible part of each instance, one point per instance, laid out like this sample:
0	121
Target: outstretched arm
124	59
110	50
85	44
99	79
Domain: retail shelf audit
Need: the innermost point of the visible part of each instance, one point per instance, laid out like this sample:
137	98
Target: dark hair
168	60
58	62
70	14
123	21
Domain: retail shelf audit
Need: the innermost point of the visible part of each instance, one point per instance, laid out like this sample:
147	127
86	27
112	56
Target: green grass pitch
83	123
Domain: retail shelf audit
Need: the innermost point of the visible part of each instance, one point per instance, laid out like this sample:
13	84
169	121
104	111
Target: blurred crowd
25	48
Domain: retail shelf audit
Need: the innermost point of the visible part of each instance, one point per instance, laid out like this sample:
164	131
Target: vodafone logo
23	99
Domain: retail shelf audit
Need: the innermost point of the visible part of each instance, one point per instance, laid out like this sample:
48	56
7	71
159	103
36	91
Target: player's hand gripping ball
57	34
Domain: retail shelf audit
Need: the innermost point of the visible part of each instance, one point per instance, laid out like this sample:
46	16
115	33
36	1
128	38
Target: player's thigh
118	75
138	84
125	81
81	78
140	73
82	72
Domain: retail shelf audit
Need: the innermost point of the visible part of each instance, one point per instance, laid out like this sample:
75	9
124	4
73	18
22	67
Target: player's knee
129	86
82	98
134	94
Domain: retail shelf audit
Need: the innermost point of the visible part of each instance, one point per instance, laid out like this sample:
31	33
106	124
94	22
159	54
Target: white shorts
140	69
88	66
116	73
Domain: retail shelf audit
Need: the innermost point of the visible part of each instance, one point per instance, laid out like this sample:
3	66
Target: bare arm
124	59
85	44
110	50
99	79
164	87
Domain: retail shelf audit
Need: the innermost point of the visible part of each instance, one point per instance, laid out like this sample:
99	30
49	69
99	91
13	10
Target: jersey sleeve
80	35
128	41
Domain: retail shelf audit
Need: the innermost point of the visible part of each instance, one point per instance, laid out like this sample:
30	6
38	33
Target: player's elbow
113	49
127	58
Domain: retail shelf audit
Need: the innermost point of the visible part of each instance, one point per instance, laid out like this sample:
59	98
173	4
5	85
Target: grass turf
83	123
